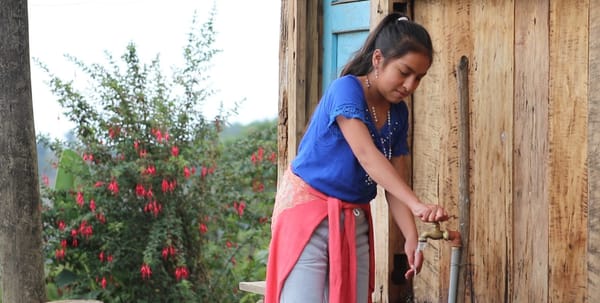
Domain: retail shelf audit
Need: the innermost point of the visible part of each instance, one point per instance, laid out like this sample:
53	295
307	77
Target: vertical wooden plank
593	253
428	123
298	74
530	156
379	208
284	90
568	150
492	143
435	151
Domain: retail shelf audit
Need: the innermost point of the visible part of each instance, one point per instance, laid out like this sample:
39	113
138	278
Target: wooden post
464	189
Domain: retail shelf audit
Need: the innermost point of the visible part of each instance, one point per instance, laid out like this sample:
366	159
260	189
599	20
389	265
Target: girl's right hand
430	213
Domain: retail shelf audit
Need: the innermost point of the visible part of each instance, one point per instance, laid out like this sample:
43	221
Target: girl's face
400	77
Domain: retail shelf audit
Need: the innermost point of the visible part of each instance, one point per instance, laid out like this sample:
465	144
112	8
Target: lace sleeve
349	111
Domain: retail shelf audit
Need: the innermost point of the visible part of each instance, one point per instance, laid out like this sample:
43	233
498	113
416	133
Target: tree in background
149	205
21	263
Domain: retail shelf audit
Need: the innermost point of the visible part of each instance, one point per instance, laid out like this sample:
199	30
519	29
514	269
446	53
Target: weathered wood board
530	157
568	91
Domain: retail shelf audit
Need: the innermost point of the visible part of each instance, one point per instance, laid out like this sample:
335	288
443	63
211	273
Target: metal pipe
454	270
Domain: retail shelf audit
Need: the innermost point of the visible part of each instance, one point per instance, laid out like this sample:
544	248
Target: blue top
325	160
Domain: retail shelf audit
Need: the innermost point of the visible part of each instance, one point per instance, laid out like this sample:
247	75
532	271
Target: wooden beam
568	150
530	155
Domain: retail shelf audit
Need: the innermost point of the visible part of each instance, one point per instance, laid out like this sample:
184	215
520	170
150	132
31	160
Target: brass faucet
435	234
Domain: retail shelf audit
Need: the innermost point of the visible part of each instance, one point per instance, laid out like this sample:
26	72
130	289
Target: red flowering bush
149	204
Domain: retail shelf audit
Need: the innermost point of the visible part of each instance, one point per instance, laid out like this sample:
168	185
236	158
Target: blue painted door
345	28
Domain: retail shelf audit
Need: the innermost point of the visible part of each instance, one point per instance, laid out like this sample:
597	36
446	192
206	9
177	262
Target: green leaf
65	277
70	168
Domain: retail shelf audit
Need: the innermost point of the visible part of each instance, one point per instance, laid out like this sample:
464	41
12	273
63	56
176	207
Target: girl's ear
377	59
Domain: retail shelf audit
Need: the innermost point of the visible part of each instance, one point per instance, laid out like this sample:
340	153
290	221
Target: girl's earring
376	73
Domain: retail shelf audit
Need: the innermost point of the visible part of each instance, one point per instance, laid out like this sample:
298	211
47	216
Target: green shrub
149	205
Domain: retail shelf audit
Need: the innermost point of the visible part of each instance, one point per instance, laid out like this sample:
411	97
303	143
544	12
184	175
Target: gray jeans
308	282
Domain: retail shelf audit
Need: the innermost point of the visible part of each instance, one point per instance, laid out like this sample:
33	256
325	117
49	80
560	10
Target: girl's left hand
415	260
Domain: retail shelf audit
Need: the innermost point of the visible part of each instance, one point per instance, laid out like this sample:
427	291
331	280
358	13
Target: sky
247	35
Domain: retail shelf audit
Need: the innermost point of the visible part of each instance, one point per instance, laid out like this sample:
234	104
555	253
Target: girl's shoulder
347	80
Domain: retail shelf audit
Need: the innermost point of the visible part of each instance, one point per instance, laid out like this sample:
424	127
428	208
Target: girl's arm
381	170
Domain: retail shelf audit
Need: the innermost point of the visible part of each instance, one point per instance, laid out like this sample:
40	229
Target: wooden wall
531	95
534	134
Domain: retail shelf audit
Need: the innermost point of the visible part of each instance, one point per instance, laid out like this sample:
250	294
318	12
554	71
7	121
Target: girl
321	248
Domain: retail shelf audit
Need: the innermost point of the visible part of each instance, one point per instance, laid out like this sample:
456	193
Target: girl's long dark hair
395	36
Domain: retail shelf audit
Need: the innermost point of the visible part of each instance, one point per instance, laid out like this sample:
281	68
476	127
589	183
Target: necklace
387	153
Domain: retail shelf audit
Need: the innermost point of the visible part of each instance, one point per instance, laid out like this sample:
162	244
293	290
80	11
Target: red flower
203	228
113	132
109	258
61	225
92	205
80	200
165	185
63	243
150	170
273	157
143	153
158	134
88	157
186	172
140	191
168	251
204	171
103	283
153	207
258	186
101	218
175	151
60	254
145	271
99	184
261	153
254	159
149	193
181	273
85	229
239	207
113	187
228	244
46	180
101	256
172	185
